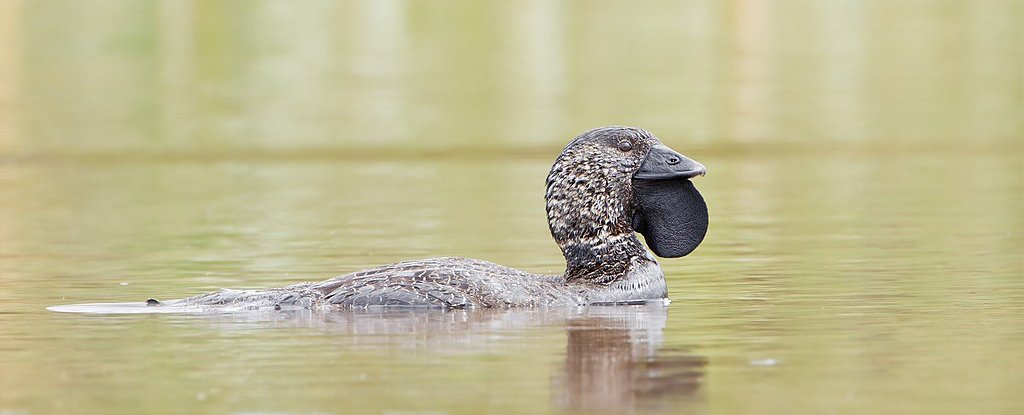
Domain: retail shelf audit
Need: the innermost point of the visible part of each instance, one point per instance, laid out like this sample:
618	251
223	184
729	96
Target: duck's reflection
615	363
615	358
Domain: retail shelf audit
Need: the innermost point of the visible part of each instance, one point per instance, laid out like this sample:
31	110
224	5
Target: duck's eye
625	145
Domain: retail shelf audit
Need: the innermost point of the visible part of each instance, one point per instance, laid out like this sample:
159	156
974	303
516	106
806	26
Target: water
865	186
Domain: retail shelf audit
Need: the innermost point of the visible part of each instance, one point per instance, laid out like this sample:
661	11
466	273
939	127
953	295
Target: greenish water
866	184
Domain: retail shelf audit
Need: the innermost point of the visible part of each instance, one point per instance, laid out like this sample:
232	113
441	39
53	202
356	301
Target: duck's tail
297	296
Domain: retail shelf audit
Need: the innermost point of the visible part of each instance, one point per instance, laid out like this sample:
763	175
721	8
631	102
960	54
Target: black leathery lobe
671	215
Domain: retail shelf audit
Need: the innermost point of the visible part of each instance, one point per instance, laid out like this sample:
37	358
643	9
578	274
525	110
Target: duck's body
607	185
449	283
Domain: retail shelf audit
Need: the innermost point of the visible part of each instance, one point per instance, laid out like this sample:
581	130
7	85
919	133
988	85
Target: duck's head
613	181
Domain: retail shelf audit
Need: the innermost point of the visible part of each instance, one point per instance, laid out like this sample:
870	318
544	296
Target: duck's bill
668	210
663	163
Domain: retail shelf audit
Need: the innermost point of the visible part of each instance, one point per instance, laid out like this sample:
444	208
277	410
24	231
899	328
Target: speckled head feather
589	202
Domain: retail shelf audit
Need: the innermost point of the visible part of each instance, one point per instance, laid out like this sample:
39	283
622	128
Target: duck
605	187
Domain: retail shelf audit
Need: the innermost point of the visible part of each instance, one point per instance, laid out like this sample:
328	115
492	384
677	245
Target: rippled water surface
866	190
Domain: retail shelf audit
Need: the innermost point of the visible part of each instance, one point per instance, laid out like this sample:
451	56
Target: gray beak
665	163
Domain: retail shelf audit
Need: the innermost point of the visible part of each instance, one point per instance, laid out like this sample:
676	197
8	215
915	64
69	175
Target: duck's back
437	282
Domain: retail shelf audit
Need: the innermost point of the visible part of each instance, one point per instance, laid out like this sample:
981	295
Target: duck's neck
590	221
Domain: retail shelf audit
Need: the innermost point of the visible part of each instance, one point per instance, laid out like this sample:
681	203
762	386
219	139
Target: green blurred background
866	184
231	78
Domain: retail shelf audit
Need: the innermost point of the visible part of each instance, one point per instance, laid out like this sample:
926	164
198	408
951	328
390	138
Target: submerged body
608	184
448	283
